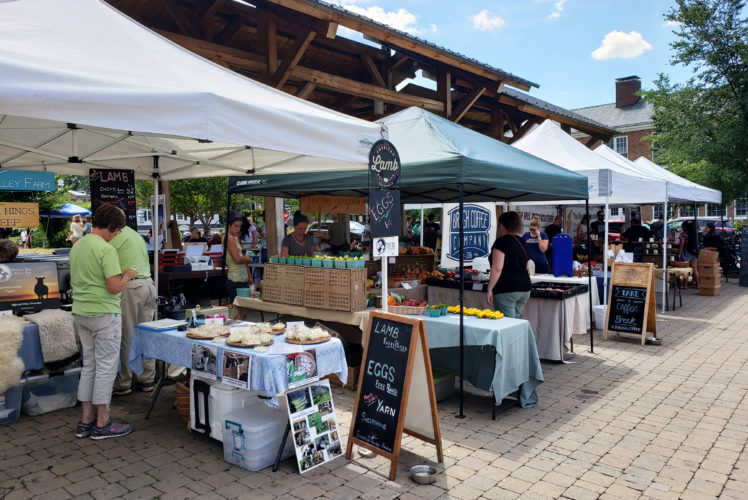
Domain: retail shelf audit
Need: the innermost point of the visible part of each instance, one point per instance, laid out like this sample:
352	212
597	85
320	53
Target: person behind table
8	251
336	235
598	226
536	242
636	231
554	228
509	280
687	248
236	261
298	242
195	236
76	229
97	281
431	232
582	229
138	306
658	227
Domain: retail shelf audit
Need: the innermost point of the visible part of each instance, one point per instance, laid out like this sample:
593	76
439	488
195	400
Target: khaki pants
100	339
138	306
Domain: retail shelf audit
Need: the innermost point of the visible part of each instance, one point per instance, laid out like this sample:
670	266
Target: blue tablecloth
516	367
31	350
268	371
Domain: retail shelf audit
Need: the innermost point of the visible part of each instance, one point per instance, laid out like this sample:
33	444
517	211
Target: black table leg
280	448
157	390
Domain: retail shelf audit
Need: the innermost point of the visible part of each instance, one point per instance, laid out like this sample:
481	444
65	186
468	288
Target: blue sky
573	49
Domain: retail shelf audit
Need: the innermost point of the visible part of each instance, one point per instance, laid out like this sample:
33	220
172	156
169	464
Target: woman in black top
509	282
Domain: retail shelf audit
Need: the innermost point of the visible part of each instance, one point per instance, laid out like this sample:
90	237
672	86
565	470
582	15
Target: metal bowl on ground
423	474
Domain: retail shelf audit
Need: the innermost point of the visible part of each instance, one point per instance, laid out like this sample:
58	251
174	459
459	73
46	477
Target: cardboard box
707	256
709	281
709	269
710	292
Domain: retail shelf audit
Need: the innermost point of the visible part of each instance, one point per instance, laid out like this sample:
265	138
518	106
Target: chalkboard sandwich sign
631	309
395	389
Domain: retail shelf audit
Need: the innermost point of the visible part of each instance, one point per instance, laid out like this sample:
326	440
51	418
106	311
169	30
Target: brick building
632	118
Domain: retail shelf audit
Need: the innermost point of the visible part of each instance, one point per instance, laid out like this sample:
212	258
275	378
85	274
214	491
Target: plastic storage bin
211	401
444	383
10	405
51	391
563	255
252	436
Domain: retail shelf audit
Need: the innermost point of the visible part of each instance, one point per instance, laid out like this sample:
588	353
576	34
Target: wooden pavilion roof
293	45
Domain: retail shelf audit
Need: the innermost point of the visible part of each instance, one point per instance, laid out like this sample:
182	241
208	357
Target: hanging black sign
382	382
384	164
627	306
384	213
114	187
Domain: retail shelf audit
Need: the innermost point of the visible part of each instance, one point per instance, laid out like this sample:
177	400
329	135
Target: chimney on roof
626	89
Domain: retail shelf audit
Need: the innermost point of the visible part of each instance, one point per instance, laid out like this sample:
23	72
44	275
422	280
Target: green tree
200	199
701	127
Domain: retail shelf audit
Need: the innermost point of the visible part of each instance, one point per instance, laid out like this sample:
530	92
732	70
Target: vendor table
194	284
360	319
572	280
267	373
512	367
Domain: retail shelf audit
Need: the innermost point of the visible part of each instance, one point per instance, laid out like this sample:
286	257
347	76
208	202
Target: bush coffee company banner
479	232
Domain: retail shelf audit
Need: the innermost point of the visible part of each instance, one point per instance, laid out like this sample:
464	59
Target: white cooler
252	436
211	401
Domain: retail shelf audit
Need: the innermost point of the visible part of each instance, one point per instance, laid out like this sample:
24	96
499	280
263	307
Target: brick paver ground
628	421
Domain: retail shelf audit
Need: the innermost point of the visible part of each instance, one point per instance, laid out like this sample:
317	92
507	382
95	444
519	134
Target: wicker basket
406	310
183	401
352	379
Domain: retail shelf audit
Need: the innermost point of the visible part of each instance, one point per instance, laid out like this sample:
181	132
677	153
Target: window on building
657	211
636	211
741	208
686	211
714	210
620	145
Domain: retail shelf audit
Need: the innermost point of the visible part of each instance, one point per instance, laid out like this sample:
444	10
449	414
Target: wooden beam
394	39
272	44
291	58
444	91
217	4
591	141
497	123
395	61
371	67
359	89
181	20
466	103
306	91
218	53
332	30
231	29
566	128
522	130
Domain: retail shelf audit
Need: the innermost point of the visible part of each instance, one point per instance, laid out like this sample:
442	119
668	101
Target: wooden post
274	226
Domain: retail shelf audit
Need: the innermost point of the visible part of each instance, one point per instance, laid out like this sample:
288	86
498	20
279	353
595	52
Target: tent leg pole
226	236
420	225
664	258
589	269
461	189
605	257
154	231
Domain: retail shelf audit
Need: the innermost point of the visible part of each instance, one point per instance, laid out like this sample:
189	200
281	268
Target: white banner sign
386	246
545	214
479	232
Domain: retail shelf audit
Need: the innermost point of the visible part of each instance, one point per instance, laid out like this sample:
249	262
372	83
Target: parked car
356	228
723	227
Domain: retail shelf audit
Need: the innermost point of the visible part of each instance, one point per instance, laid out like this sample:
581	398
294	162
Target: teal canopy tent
442	162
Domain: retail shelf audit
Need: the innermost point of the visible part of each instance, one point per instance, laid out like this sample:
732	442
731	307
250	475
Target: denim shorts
687	256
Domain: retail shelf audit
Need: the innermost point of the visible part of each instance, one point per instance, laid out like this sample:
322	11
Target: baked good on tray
306	335
244	337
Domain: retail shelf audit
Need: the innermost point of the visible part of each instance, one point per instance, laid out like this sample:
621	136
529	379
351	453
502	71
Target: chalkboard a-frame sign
395	389
631	308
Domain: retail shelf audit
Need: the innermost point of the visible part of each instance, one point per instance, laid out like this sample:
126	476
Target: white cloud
558	8
482	21
671	24
620	45
399	19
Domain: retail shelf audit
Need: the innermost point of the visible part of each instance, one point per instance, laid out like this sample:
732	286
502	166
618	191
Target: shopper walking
509	280
76	229
97	281
138	306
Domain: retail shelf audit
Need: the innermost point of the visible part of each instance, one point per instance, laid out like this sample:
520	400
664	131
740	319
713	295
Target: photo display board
114	187
395	389
632	309
29	286
311	414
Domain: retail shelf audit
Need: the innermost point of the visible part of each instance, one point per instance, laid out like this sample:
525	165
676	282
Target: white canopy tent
609	183
677	190
680	190
83	86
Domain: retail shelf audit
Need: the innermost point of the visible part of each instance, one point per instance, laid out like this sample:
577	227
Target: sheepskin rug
11	366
